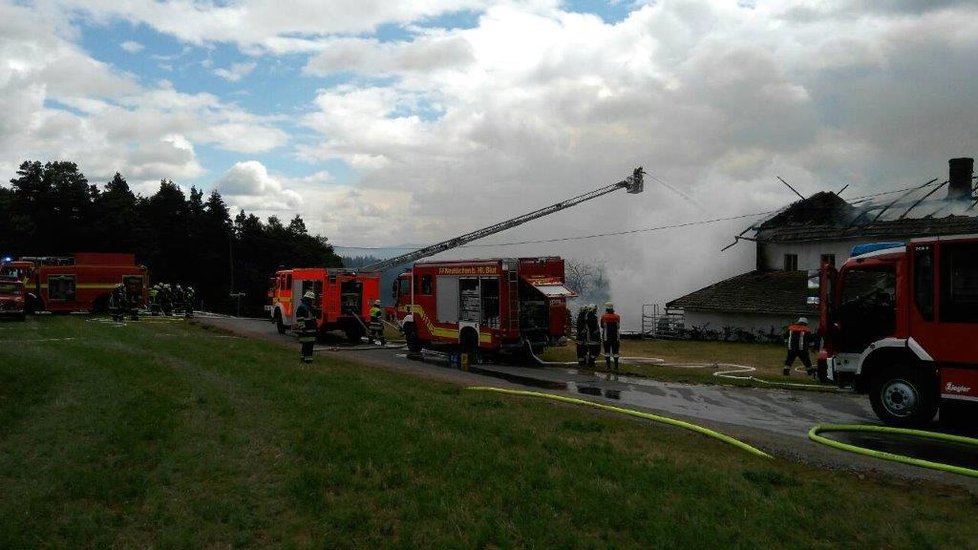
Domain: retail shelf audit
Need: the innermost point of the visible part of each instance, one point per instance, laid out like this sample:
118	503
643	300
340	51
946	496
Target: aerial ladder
632	184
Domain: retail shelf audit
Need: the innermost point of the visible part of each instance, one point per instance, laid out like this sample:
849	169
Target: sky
385	123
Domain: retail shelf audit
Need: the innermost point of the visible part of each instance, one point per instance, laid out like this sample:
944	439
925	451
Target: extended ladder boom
633	183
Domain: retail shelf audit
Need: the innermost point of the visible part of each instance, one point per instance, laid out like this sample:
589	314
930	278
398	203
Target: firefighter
304	326
118	302
179	298
165	299
133	299
581	337
189	297
154	292
798	340
377	323
593	335
610	334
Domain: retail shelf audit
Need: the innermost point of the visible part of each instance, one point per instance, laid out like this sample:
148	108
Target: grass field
165	434
768	359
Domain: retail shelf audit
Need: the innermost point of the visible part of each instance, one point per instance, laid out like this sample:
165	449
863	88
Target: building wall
752	322
771	255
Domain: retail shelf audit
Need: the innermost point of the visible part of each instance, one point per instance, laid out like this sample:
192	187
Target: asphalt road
776	420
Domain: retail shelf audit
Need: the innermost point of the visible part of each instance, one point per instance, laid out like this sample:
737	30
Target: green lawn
166	434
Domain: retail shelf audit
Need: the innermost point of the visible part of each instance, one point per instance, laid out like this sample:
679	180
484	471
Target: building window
791	262
828	259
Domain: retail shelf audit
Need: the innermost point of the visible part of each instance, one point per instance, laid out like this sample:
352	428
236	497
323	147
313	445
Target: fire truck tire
354	333
903	396
101	304
411	337
279	325
21	316
470	345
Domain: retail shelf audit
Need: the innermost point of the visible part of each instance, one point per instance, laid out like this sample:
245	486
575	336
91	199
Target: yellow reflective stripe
484	337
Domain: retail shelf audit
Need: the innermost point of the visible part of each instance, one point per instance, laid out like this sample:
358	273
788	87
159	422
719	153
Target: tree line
51	209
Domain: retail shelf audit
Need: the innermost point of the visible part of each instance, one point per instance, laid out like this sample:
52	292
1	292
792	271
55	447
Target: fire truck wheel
903	396
411	337
353	334
101	304
470	345
278	323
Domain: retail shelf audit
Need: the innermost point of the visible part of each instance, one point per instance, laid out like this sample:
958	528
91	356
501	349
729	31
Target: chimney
959	178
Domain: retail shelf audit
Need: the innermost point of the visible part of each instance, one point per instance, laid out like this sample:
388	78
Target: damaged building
822	228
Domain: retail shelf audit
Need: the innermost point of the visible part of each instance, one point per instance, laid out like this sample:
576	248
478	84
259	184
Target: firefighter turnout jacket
610	327
799	339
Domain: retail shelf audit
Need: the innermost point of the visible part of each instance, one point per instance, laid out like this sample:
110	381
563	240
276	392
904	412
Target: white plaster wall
809	254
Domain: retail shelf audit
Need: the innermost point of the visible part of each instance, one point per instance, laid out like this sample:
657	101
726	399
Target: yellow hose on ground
813	434
631	412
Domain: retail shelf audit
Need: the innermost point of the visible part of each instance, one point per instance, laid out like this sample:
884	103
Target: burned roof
914	213
819	209
769	292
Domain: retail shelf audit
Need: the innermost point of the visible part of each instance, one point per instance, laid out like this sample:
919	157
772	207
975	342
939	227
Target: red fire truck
12	298
81	282
493	305
343	298
900	322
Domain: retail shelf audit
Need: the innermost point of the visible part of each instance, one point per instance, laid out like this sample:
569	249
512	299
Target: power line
593	236
632	231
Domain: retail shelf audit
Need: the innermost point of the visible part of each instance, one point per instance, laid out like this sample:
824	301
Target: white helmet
802	320
309	295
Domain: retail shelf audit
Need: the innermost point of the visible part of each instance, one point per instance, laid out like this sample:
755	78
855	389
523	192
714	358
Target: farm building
820	229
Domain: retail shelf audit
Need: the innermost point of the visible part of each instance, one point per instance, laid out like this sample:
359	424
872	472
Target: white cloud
62	103
236	72
266	24
715	98
131	46
447	130
424	54
247	185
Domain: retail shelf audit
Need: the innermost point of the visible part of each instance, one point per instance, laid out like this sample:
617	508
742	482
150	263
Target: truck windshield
867	307
10	288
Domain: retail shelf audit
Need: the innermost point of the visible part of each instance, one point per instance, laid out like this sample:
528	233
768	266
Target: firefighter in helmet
377	323
581	336
304	326
118	303
611	334
178	297
189	299
593	335
166	299
799	340
154	296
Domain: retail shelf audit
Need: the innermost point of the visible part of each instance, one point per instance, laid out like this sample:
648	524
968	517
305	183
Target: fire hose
813	434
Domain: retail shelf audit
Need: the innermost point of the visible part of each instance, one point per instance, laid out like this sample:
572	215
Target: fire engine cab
343	298
12	298
493	305
900	322
81	282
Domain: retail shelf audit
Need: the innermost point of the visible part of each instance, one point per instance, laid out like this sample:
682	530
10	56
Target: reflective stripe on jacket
799	338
